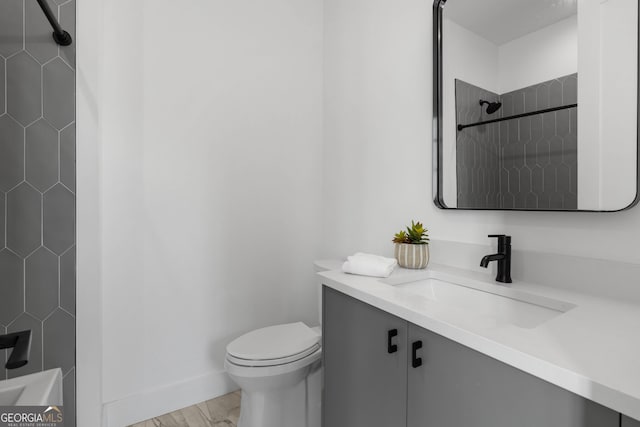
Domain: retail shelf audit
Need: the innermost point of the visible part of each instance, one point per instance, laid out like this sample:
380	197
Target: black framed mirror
536	105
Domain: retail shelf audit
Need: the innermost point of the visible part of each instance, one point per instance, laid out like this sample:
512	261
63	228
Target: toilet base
293	406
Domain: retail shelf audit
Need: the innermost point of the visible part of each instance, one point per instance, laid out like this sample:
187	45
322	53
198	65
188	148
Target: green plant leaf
417	234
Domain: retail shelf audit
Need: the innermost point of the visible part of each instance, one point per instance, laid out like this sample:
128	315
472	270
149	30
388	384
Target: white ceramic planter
412	256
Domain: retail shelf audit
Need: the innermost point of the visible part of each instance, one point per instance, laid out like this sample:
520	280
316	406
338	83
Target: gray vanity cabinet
365	377
427	380
457	386
628	422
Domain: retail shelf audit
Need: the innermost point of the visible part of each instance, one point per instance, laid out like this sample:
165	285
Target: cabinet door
364	384
460	387
628	422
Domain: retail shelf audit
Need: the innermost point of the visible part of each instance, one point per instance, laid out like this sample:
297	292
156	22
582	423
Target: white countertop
592	350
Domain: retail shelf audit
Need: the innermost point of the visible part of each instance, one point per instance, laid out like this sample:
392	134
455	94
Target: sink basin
39	389
496	304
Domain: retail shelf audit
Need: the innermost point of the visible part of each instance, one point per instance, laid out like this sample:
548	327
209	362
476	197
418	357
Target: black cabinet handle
416	361
391	348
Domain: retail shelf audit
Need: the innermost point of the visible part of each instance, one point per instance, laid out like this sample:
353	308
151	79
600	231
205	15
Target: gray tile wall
477	150
37	188
537	163
539	168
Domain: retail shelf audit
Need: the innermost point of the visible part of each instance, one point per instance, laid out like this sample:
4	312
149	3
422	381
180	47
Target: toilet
278	369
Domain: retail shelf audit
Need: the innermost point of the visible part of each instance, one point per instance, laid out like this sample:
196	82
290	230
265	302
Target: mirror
536	104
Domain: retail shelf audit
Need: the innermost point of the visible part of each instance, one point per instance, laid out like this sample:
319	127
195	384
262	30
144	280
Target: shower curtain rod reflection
59	35
517	116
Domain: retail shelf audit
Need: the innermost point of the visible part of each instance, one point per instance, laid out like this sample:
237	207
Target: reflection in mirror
537	104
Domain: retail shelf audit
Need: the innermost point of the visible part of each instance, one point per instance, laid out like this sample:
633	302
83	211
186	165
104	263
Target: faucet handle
497	235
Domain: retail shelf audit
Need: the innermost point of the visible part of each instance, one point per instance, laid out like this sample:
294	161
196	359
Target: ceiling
501	21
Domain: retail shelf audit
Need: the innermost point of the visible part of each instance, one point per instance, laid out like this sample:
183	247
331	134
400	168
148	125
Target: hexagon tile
24	88
2	87
11	29
59	219
24	219
38	34
41	146
58	80
12	153
3	353
549	153
3	199
37	188
59	335
41	283
12	301
536	156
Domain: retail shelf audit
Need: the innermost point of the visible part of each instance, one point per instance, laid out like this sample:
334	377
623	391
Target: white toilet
278	369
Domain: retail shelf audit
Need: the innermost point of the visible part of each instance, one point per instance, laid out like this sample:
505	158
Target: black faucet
21	344
503	257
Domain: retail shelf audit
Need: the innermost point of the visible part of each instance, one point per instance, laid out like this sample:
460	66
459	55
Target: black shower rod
59	35
517	116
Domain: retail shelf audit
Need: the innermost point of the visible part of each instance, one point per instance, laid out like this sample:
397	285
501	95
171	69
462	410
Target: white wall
619	102
89	39
169	166
378	150
543	55
209	188
470	58
607	96
589	82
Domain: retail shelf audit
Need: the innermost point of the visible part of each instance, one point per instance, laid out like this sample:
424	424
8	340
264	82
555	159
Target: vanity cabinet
429	380
365	377
628	422
457	386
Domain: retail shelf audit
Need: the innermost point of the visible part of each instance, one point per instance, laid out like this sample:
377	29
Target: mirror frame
437	150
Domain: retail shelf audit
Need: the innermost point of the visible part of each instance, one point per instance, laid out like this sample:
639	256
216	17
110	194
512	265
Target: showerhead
492	107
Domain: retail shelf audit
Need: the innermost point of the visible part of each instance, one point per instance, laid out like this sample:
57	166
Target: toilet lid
274	342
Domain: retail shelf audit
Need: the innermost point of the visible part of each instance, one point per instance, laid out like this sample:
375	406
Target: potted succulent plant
412	246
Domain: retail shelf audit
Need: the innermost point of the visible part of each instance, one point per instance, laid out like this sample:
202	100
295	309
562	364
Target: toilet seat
272	362
274	345
270	371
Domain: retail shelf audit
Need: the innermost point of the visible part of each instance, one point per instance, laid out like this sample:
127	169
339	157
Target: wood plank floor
220	412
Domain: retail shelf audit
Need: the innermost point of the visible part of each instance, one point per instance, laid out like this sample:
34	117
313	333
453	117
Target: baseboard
159	401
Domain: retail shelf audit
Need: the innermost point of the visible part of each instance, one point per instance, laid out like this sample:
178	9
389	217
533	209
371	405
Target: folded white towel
369	265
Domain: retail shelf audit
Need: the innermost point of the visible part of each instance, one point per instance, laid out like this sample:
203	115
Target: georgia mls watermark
31	416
